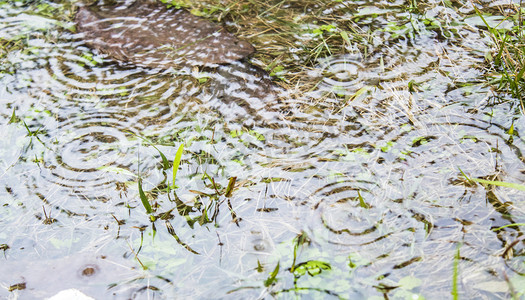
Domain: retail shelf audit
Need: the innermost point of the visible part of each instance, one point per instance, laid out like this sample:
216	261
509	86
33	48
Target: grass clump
290	36
508	57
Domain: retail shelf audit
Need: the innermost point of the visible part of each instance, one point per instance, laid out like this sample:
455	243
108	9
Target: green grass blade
492	30
171	231
165	162
14	118
465	175
231	185
29	132
499	57
144	199
272	278
511	185
509	225
176	163
455	275
154	229
362	202
519	76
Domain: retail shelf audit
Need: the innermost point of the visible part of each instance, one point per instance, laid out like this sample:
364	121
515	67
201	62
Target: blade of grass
14	118
171	231
492	30
143	198
176	163
165	163
153	227
272	278
509	225
362	202
455	275
520	75
466	177
230	187
511	185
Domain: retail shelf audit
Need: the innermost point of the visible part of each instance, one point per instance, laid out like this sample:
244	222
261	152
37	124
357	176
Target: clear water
72	216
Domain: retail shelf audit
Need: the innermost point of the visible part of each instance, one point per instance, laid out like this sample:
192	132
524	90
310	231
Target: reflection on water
352	194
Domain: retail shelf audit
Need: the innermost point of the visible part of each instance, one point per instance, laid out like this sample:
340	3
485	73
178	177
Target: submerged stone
146	33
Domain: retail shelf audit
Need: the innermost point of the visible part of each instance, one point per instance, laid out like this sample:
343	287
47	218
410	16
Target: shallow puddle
349	188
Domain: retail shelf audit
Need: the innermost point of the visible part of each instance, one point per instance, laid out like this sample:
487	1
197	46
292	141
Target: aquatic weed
517	186
176	163
455	274
509	58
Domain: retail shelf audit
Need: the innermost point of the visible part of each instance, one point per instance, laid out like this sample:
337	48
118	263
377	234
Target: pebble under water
336	196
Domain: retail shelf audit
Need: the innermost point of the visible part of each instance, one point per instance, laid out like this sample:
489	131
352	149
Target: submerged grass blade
511	185
509	225
455	275
362	202
466	177
272	278
176	163
165	163
519	76
230	187
171	231
144	199
14	118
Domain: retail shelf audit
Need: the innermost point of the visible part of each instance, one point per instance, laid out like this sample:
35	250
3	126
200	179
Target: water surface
354	183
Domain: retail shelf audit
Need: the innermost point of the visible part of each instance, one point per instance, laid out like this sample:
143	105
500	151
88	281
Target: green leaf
455	274
144	199
362	202
231	185
272	278
345	37
165	163
466	177
203	80
312	267
509	225
153	227
519	76
259	268
176	163
13	118
511	185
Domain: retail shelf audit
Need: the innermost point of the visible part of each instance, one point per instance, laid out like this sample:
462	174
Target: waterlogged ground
348	181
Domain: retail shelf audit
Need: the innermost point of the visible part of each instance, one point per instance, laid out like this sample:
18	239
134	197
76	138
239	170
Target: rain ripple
92	152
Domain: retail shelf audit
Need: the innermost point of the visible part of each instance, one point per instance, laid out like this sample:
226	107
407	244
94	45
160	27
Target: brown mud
147	33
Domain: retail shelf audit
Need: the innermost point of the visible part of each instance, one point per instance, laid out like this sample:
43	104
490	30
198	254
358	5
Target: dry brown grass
290	36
